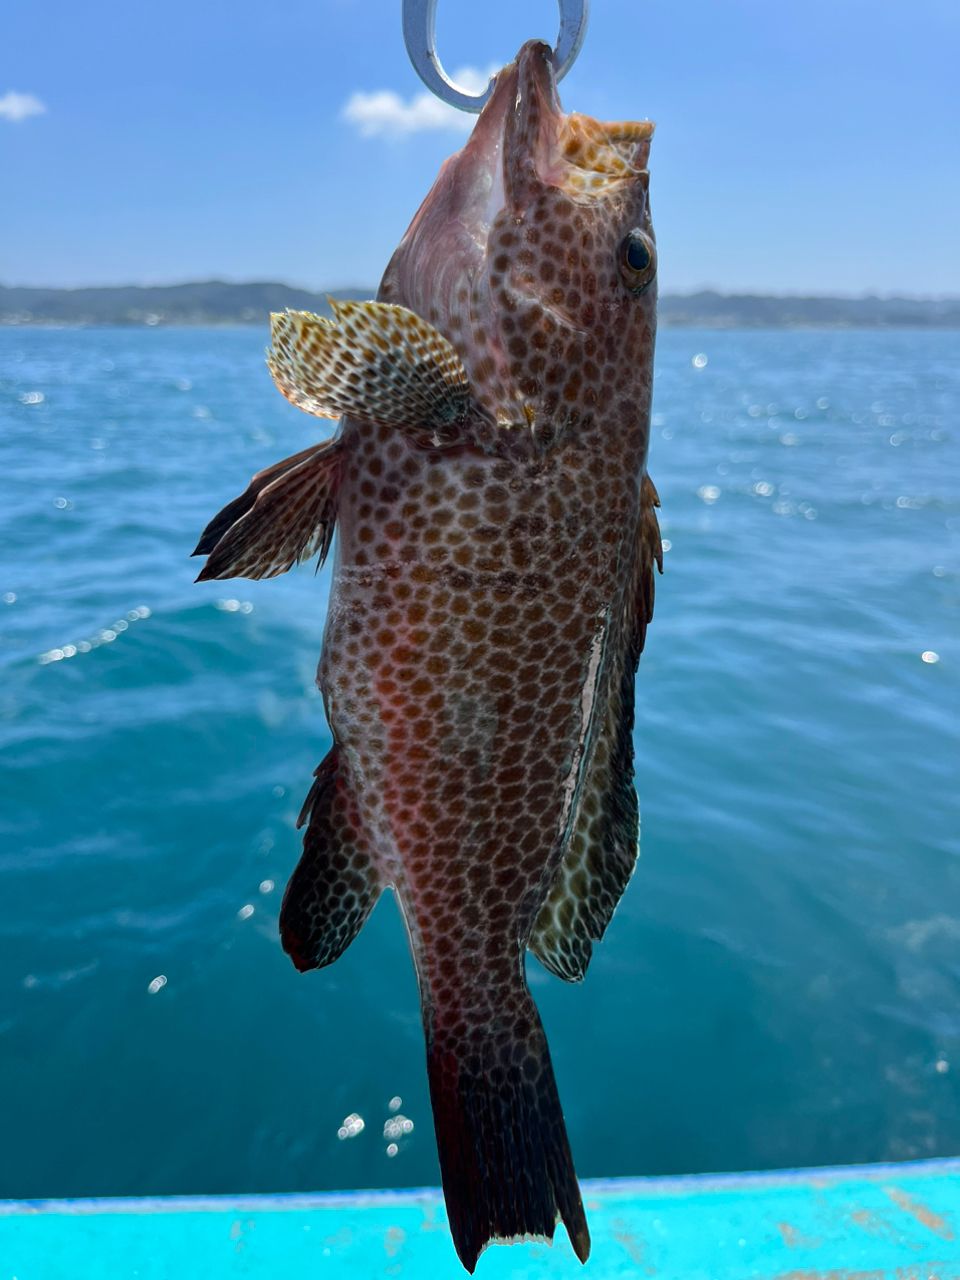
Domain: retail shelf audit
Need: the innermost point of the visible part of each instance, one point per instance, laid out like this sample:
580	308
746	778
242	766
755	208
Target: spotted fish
493	583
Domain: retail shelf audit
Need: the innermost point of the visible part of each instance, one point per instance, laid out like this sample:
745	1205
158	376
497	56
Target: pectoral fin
286	514
373	361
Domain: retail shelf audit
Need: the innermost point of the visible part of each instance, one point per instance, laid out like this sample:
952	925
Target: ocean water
781	984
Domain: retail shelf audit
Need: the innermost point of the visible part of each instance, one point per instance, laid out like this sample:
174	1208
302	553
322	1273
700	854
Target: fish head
534	254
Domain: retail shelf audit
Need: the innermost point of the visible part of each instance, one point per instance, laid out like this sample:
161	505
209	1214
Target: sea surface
781	984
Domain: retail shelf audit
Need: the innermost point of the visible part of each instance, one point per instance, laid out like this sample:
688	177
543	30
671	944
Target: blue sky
802	145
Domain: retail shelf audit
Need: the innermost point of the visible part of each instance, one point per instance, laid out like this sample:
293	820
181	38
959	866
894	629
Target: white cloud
385	114
19	106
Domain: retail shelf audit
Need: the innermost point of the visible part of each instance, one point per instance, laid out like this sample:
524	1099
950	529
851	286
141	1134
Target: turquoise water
781	985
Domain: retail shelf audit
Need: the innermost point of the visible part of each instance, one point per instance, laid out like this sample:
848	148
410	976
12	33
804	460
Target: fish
497	542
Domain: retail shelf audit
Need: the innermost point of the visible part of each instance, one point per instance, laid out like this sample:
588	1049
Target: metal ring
420	37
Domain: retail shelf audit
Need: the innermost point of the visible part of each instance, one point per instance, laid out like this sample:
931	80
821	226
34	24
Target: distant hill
726	311
203	302
213	302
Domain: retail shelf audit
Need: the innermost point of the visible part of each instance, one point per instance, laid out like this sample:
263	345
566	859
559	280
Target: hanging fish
491	594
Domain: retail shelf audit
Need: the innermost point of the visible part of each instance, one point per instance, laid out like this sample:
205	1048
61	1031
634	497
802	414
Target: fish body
491	591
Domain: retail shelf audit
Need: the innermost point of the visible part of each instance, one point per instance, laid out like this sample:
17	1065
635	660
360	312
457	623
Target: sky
802	145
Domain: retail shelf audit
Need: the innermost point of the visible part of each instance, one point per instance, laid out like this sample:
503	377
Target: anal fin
335	885
603	846
286	514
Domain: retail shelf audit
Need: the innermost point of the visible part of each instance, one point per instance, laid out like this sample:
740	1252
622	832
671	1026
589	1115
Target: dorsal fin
602	850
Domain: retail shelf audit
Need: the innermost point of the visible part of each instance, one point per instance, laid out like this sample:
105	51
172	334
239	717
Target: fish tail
504	1155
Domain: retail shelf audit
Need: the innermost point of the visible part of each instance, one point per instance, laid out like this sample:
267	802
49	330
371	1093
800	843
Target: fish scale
493	582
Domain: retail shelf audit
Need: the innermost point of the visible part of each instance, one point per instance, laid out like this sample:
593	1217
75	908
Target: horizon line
700	290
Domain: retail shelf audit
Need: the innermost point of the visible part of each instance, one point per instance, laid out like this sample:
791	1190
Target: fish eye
638	260
638	255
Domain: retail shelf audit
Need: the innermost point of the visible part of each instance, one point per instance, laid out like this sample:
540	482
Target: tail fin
504	1156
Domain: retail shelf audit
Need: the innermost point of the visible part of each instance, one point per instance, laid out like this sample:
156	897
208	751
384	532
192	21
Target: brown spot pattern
490	599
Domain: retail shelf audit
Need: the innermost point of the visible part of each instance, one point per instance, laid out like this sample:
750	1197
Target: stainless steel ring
420	37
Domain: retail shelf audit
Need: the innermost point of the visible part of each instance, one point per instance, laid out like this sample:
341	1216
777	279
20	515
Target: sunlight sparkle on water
397	1127
106	635
353	1125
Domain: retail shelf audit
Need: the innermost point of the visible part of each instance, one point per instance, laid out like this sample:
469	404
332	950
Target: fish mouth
524	128
522	147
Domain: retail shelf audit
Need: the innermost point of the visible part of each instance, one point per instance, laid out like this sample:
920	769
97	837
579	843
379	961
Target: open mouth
575	153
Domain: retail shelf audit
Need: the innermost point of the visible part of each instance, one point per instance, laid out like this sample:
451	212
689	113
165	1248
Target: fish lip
544	147
515	137
533	127
537	77
529	78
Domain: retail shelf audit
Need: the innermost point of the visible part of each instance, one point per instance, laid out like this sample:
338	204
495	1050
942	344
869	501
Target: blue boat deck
884	1222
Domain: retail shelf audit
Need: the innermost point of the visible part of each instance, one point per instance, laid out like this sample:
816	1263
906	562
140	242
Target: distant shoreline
214	303
664	322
